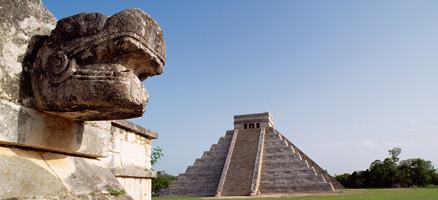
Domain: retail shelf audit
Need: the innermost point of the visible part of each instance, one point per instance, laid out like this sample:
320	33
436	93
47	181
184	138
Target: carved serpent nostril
60	67
58	61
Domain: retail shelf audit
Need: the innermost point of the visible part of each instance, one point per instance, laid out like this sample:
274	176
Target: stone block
115	144
82	175
139	189
113	160
27	127
26	174
132	143
133	155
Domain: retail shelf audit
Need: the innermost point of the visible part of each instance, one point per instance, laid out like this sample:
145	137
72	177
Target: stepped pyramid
252	159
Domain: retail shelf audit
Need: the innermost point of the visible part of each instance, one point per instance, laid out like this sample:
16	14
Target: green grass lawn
353	194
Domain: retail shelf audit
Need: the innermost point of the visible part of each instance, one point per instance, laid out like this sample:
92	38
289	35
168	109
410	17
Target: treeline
162	181
390	172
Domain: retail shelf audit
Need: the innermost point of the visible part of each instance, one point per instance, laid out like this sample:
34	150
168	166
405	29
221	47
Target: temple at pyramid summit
252	159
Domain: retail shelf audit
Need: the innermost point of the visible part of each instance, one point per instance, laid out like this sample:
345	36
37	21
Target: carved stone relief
91	66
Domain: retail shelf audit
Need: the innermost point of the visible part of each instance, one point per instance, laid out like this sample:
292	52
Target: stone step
203	168
290	172
197	174
199	191
209	162
191	184
278	148
217	154
282	156
275	143
285	163
219	148
273	137
213	156
292	179
296	188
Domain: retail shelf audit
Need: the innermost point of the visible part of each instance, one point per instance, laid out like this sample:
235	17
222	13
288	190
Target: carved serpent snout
92	65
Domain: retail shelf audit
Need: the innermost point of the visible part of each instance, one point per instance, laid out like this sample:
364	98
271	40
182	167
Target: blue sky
344	80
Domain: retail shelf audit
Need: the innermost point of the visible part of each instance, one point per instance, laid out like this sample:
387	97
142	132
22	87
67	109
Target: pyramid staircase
238	178
252	159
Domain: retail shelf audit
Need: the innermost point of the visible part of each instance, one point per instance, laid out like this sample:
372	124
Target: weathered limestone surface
28	174
91	66
22	126
26	171
82	175
203	177
67	176
19	22
262	161
53	84
129	157
137	188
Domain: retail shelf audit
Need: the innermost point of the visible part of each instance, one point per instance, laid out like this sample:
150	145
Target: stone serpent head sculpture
92	65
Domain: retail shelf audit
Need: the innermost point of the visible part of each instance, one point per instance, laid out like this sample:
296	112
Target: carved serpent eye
59	68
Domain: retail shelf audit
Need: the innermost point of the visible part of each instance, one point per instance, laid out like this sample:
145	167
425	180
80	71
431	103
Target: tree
435	179
394	153
162	181
343	179
156	155
417	172
383	173
356	178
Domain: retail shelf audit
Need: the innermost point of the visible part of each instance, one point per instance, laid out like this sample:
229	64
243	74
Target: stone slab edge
133	173
251	118
258	164
135	128
27	127
227	164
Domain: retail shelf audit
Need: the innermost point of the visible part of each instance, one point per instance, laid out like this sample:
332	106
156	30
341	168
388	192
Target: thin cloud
414	123
368	144
417	126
